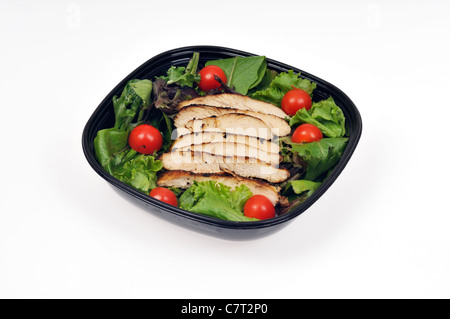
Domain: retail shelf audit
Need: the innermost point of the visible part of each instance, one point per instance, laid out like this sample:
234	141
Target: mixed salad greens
154	102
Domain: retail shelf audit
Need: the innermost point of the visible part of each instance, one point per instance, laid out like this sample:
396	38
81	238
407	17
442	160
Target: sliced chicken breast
204	163
183	180
235	101
234	149
222	137
190	113
234	124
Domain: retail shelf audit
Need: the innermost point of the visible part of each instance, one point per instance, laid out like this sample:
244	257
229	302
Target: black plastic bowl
103	117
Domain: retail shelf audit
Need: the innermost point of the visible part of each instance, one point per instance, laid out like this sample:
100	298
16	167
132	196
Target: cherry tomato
295	100
145	139
259	206
165	195
307	133
207	81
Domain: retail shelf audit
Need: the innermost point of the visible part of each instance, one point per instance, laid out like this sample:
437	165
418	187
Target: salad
231	139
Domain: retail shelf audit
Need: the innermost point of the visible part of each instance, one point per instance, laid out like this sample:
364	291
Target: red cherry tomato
307	133
207	81
295	100
145	139
259	206
165	195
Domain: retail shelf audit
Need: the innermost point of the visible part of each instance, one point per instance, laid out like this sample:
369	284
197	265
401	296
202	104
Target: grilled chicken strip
235	101
204	163
190	113
183	179
233	123
222	137
234	149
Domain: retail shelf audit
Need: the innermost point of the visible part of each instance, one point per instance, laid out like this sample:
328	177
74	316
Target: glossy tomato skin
165	195
260	207
207	81
295	100
307	133
145	139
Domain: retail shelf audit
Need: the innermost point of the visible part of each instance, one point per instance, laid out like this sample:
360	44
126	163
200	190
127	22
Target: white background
381	231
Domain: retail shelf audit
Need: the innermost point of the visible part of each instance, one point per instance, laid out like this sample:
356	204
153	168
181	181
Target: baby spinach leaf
243	73
268	77
109	142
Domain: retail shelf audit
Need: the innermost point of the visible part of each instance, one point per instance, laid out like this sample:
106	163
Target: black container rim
87	145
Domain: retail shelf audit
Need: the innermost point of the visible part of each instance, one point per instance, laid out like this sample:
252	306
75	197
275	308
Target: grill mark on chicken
234	101
196	112
234	149
223	137
238	165
234	123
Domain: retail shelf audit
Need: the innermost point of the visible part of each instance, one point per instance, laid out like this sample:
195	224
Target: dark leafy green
166	97
216	200
243	73
319	156
280	85
164	124
297	192
326	115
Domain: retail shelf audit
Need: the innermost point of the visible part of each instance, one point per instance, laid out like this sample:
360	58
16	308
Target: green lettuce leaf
184	76
326	115
132	103
111	145
297	192
243	73
135	169
281	84
108	143
143	88
268	77
216	200
301	186
116	157
319	156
